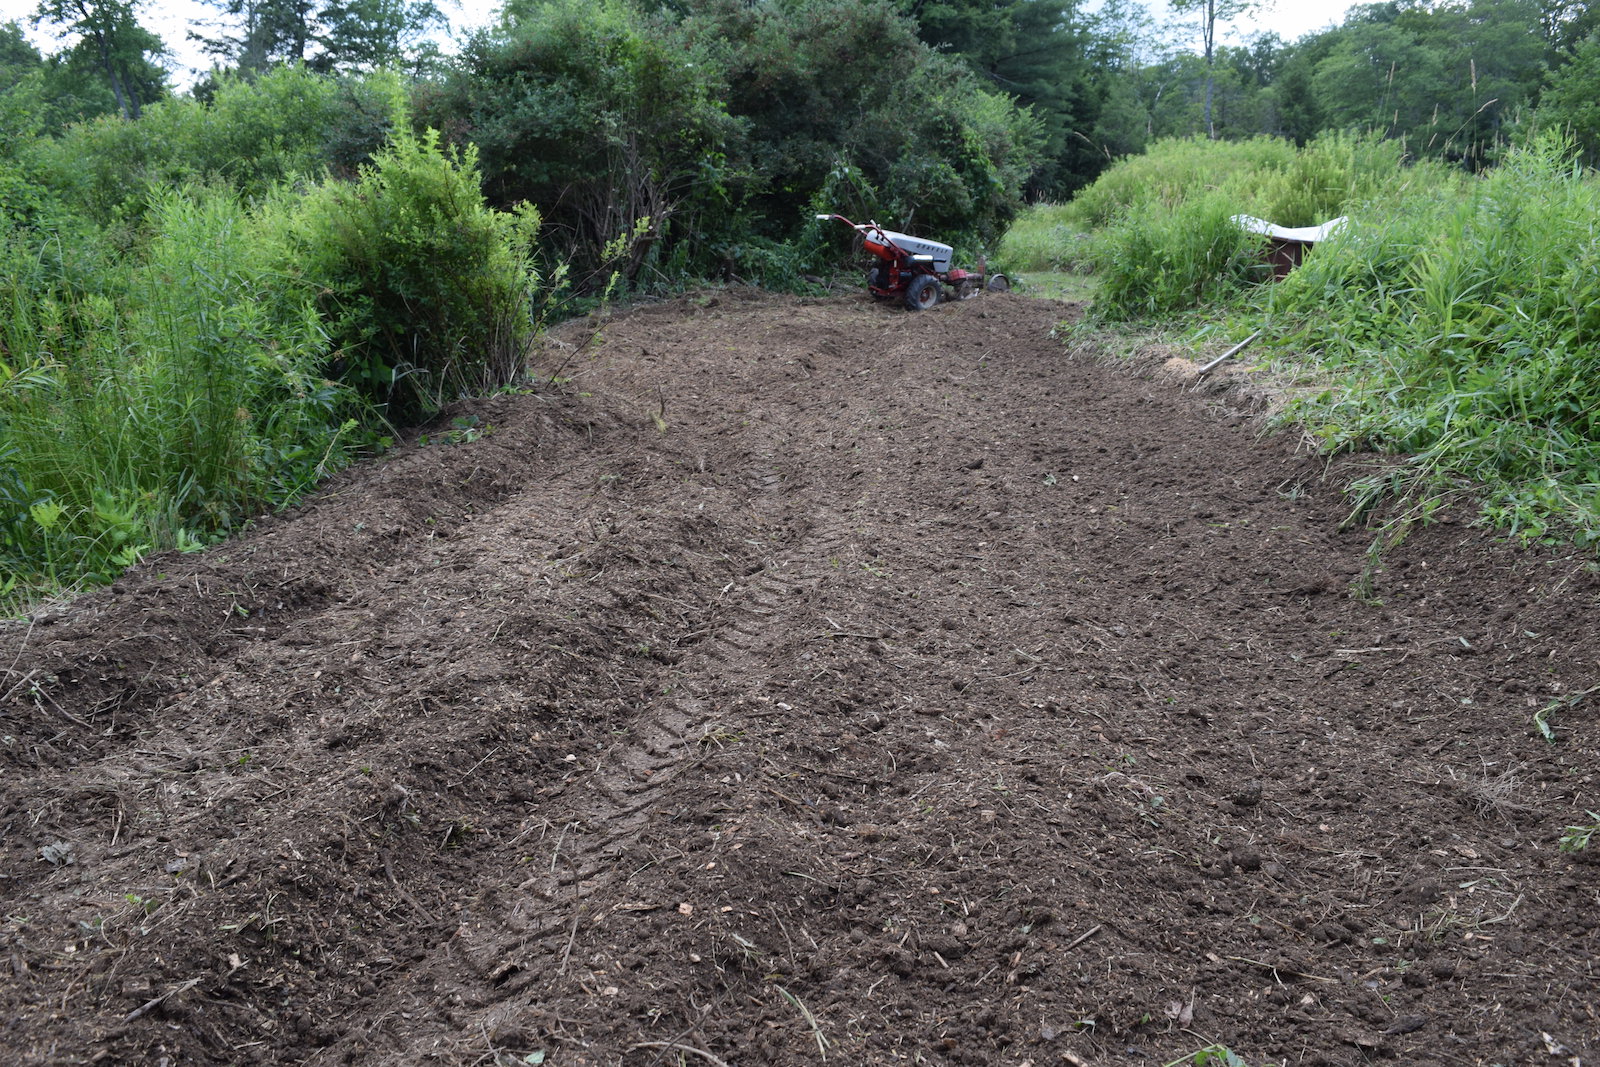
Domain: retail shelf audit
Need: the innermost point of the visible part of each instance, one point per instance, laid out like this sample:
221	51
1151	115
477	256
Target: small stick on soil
676	1047
1086	935
557	853
572	935
1514	905
24	680
799	806
37	693
158	1001
1275	969
839	631
404	895
474	768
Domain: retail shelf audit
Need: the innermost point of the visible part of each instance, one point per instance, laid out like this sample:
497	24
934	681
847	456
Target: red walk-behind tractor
916	270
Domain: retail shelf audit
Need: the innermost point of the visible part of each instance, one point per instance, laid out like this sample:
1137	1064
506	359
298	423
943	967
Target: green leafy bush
831	87
287	123
1045	237
600	116
1169	258
1571	99
1162	242
425	292
22	196
706	141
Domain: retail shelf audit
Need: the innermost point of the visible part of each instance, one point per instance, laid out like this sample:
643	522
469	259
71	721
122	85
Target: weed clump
424	290
1162	240
229	356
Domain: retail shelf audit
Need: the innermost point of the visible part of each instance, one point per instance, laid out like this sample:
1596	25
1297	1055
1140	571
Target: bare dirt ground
810	681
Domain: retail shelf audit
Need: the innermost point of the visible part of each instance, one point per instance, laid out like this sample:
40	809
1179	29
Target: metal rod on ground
1229	354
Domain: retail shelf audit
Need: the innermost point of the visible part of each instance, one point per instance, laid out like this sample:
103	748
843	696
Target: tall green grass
1264	176
1161	240
1455	320
1182	258
154	392
144	407
1462	325
250	134
425	291
1045	237
1171	171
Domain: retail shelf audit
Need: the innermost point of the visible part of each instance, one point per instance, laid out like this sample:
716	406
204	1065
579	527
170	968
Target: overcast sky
171	20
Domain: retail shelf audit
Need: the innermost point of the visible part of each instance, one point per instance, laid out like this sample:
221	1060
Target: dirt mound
810	680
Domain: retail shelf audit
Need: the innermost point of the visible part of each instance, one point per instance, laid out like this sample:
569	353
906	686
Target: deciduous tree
1043	53
1210	12
326	35
112	42
369	34
257	34
1572	98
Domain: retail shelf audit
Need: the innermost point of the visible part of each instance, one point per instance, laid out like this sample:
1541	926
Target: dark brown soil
810	680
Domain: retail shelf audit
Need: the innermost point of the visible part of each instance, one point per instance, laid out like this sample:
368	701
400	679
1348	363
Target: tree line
1453	80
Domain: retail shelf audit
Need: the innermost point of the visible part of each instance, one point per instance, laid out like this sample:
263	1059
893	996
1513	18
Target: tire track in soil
962	692
353	708
632	787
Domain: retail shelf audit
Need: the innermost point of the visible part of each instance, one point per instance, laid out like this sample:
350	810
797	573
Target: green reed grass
1462	325
425	291
154	390
1172	171
1045	237
1161	239
146	405
1167	259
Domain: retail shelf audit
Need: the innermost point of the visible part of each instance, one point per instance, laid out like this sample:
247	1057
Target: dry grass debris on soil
808	680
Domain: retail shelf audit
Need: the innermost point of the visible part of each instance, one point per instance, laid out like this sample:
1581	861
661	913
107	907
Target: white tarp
1306	235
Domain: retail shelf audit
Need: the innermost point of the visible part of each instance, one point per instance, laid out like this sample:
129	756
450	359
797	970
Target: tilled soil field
809	681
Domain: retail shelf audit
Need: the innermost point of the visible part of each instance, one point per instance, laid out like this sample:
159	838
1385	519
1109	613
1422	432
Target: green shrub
22	196
723	130
425	292
1161	242
840	86
285	124
1166	259
1571	99
599	116
1173	170
1046	237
